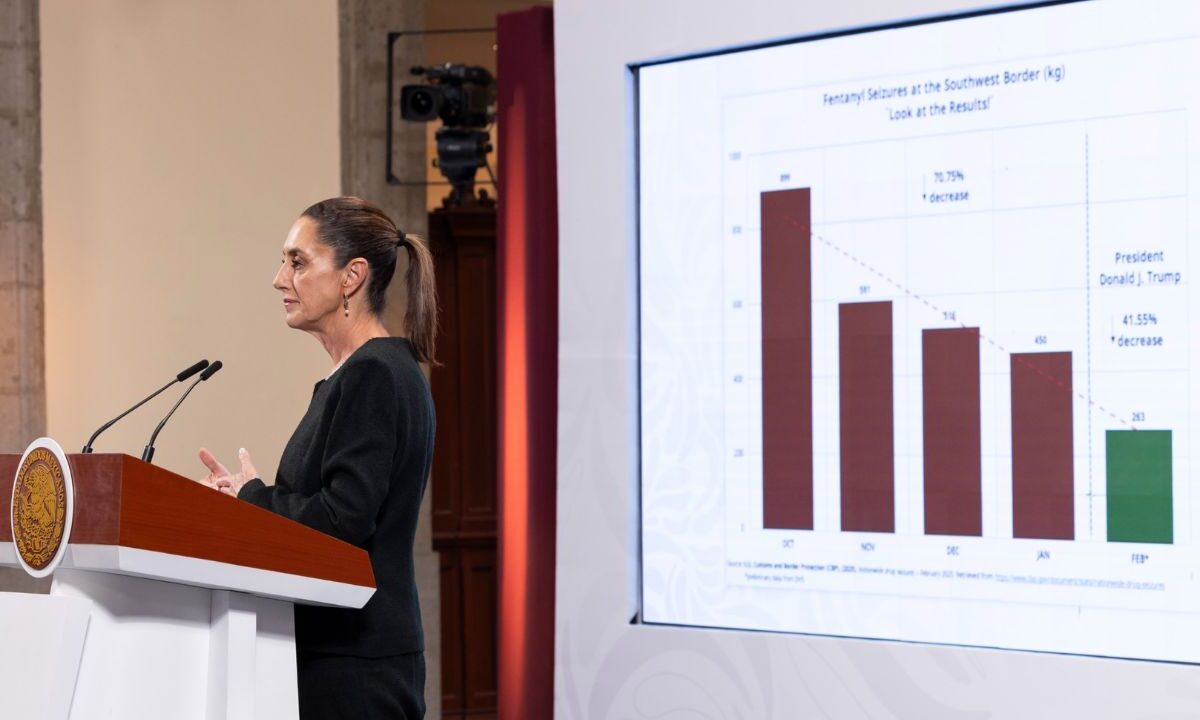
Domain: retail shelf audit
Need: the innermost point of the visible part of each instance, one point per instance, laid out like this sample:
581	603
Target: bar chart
1138	462
916	336
1000	379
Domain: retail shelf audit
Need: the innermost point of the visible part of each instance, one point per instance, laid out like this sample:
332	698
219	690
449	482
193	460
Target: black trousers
337	686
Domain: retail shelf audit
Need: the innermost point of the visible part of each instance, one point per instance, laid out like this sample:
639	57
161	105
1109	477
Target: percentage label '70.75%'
949	176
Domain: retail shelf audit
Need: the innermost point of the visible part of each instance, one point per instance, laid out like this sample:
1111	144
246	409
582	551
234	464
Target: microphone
148	452
178	378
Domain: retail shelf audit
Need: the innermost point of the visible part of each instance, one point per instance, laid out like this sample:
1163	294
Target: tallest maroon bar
787	360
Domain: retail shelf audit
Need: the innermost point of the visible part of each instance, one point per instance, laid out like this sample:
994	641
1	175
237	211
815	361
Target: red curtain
528	363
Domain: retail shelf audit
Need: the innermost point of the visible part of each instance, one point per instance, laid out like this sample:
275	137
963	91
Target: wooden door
463	483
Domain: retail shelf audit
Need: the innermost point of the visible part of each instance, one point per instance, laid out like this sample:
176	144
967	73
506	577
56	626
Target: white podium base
39	658
160	650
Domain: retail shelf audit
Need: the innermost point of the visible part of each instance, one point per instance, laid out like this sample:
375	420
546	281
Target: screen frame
633	76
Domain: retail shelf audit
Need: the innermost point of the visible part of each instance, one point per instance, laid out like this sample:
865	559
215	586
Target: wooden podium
172	600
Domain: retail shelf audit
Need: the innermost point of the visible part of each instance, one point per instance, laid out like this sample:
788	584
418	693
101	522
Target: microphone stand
148	452
203	364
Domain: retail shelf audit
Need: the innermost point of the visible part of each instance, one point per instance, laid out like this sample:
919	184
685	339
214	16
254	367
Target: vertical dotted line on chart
1087	249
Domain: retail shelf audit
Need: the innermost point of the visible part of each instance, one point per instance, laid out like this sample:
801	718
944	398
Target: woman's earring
346	304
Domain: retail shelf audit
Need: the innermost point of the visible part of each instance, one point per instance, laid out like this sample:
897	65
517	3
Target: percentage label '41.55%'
1139	319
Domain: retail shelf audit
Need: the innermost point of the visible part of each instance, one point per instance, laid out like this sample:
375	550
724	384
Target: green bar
1139	486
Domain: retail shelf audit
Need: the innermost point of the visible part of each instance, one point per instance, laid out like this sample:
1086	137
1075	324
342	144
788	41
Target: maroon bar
1042	446
865	389
950	403
787	360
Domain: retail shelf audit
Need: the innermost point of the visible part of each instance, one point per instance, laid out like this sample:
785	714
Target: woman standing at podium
355	468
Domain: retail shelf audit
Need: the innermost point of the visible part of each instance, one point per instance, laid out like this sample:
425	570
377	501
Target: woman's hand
222	480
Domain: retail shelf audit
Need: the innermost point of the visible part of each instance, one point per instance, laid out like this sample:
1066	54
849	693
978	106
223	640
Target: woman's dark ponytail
420	317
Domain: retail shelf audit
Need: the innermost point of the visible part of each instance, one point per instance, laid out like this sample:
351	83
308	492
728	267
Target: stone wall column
22	320
363	26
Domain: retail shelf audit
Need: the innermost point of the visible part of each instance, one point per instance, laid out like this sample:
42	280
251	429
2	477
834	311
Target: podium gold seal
39	507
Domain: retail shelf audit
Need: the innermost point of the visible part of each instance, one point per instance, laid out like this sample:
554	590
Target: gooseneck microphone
178	379
148	452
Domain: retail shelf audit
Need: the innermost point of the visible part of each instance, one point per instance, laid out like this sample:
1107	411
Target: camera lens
421	102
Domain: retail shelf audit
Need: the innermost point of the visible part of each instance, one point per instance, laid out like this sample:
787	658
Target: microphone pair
206	371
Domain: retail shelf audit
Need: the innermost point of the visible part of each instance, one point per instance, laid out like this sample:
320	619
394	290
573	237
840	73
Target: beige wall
180	141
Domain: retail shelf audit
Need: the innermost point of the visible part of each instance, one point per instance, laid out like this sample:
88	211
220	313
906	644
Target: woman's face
312	286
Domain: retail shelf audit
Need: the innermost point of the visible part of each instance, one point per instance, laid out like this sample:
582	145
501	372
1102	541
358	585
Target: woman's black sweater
355	468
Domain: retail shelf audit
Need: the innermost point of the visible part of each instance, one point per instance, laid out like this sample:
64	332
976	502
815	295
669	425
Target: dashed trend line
1015	357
